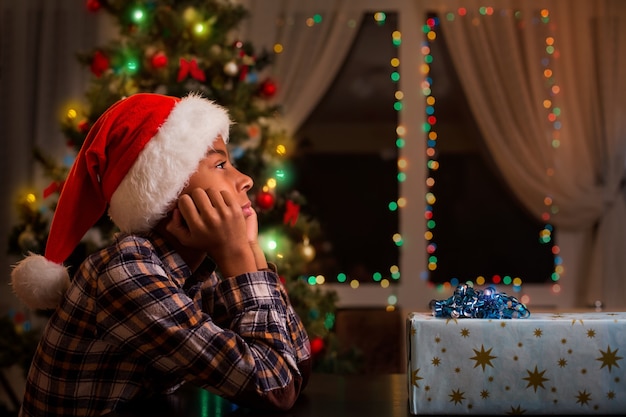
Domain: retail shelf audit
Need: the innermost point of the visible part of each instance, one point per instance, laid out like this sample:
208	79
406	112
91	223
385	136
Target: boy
149	312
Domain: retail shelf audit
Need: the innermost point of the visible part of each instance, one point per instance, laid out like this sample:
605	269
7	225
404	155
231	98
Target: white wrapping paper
566	363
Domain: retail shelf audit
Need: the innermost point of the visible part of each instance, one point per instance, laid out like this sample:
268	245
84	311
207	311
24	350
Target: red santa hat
135	161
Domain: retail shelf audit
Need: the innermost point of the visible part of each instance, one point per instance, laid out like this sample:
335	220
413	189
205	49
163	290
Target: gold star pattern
415	377
609	358
537	355
483	357
456	396
583	398
535	379
451	319
516	411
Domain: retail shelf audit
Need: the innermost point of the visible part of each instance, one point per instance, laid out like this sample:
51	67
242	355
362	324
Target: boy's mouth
247	209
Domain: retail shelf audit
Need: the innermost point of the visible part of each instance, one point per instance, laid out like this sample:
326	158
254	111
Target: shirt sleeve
214	304
253	359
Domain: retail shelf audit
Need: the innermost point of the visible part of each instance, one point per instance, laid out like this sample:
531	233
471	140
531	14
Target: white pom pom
39	283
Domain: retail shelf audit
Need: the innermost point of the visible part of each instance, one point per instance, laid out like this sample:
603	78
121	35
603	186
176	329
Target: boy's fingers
228	198
188	208
216	198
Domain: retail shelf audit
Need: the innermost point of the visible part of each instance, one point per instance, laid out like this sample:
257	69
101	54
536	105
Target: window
348	165
479	228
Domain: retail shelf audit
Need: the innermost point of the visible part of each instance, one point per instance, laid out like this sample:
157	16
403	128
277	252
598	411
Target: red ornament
93	5
243	73
83	126
268	88
99	63
291	213
265	200
317	346
158	60
19	318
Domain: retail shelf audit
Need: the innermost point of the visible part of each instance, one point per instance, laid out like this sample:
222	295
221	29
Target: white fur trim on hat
39	283
163	167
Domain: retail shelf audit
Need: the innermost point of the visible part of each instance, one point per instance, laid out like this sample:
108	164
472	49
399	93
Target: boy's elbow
284	399
280	399
305	367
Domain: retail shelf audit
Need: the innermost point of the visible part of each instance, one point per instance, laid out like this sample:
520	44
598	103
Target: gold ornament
307	251
231	69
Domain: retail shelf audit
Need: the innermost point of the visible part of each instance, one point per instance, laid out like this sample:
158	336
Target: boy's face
216	172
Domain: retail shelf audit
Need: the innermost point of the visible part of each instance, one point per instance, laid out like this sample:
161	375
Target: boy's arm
258	355
263	357
228	297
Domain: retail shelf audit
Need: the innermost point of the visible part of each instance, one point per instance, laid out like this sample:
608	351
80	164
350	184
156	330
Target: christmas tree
177	47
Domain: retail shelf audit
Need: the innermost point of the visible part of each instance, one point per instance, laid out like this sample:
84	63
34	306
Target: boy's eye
221	165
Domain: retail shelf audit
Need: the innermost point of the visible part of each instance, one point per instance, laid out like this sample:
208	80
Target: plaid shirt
136	321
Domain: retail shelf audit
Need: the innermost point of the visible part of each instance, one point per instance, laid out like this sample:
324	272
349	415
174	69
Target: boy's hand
252	227
212	221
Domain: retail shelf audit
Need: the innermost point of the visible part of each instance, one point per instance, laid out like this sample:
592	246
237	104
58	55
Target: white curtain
576	159
313	51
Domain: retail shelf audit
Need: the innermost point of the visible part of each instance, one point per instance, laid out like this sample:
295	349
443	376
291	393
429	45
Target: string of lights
430	31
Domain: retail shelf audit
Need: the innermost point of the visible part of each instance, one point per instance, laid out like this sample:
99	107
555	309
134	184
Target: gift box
566	363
